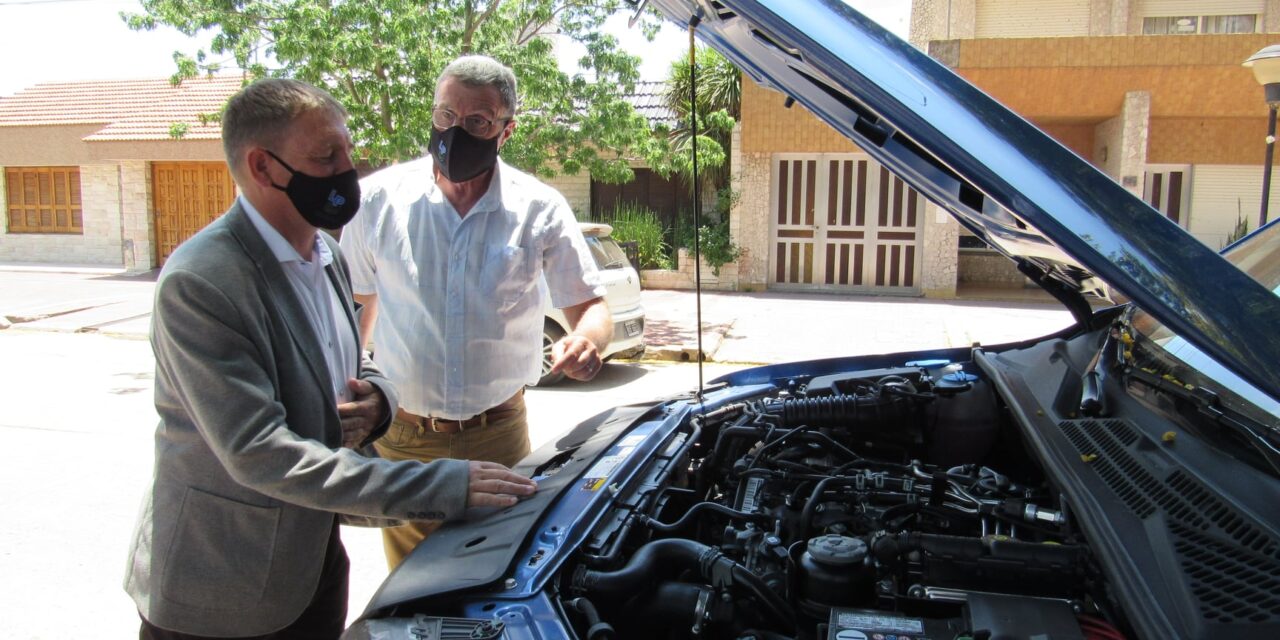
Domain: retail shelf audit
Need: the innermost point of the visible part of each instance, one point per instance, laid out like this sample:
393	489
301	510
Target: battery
869	624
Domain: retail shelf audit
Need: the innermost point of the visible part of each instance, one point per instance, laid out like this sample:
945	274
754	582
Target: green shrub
1241	230
716	245
634	223
714	240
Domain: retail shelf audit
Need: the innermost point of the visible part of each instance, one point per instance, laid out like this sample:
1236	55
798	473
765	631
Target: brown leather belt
445	425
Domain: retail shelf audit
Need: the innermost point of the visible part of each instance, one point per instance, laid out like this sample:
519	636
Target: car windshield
1257	255
607	253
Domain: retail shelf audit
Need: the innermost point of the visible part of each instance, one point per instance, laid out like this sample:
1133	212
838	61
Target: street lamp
1266	70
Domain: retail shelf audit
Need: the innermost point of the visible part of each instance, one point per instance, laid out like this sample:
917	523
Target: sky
69	40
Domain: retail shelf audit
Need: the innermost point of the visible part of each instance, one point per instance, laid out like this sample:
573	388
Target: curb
39	267
688	351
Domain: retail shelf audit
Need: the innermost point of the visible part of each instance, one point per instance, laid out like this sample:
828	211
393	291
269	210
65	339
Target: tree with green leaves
718	106
380	58
714	109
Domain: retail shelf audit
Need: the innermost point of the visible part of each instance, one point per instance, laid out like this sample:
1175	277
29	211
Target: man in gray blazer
263	394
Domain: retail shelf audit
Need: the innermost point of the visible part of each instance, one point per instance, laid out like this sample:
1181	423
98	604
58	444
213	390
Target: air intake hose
711	564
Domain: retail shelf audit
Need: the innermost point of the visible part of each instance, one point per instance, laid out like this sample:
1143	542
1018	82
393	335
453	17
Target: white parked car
622	283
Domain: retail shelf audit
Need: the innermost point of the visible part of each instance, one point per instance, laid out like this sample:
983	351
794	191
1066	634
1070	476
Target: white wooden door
842	222
1167	188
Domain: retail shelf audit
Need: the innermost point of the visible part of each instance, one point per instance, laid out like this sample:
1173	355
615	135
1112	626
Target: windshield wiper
1093	400
1260	438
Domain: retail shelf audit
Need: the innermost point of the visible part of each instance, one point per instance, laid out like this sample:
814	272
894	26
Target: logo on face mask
308	195
461	156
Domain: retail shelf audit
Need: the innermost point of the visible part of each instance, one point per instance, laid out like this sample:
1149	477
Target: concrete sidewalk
76	300
756	328
762	328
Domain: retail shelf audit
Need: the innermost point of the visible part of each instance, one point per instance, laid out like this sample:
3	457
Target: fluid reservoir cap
929	364
958	379
837	550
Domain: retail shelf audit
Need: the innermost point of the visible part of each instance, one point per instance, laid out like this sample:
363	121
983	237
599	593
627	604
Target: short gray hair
261	113
482	71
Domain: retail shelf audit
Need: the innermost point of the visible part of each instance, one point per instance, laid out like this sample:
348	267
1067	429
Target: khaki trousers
504	439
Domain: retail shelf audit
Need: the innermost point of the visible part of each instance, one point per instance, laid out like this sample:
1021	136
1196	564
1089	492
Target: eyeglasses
474	125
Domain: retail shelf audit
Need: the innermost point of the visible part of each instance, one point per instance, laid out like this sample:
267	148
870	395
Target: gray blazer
248	466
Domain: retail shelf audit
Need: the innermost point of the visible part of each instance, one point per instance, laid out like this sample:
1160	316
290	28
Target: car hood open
1069	227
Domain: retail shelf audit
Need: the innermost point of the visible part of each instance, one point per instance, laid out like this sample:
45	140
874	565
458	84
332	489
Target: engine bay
885	503
1027	491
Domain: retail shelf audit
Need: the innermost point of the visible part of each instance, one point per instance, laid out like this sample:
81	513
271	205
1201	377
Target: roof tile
128	109
647	100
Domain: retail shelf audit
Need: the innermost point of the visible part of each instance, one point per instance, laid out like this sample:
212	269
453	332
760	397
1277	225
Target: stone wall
938	270
97	245
682	277
137	246
1120	143
1109	17
984	267
577	190
749	220
942	20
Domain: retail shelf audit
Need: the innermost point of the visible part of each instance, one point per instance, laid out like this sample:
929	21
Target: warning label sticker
873	622
605	467
631	440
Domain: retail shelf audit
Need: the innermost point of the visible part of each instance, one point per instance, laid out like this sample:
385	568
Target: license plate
632	327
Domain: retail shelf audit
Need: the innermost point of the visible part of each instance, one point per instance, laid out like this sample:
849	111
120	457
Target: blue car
1118	479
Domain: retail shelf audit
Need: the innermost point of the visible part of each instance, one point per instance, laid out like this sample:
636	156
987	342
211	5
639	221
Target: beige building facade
816	213
111	173
1151	92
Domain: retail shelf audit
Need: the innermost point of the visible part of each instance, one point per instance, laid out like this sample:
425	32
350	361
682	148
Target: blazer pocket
221	553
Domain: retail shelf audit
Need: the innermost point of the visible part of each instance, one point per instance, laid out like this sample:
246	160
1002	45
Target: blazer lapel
282	297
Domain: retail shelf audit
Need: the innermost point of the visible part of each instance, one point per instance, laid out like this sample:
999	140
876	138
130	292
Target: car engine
890	503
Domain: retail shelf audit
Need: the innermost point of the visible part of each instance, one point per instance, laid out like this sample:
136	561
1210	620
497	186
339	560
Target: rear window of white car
607	253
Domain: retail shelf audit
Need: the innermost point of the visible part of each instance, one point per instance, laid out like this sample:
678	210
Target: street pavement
744	328
76	413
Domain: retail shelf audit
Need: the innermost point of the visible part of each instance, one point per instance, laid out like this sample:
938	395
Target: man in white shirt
446	255
262	396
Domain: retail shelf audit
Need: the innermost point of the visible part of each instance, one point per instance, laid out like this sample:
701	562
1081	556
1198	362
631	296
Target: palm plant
718	105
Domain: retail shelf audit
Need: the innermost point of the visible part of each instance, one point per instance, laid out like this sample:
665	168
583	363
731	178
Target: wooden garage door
842	222
187	196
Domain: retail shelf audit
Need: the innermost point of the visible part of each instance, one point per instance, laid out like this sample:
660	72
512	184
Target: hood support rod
697	189
1073	299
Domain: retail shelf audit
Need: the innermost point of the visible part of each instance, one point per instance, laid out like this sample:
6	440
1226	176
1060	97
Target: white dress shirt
320	300
460	314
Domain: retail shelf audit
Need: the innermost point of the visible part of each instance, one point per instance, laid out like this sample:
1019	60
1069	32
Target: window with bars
43	199
1178	25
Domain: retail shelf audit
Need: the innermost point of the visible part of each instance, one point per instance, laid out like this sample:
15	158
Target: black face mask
328	202
461	156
